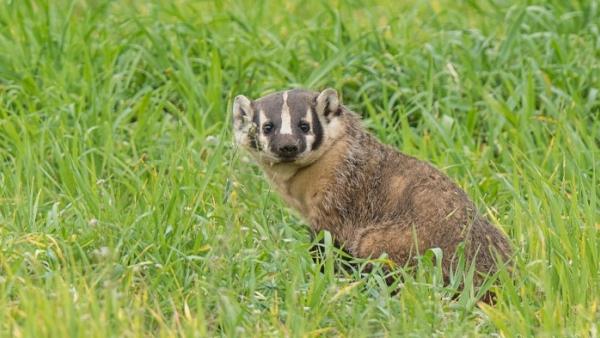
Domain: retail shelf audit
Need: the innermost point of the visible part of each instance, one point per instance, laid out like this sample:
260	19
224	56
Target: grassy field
125	209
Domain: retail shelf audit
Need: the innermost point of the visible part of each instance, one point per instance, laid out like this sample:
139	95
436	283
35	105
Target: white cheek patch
310	140
310	137
241	137
334	129
243	133
308	117
286	118
262	139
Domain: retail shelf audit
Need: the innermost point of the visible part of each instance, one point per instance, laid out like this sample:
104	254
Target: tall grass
125	210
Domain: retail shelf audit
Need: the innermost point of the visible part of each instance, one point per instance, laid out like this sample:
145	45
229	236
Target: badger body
370	197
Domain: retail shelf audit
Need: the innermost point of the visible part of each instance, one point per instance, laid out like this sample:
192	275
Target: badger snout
288	150
287	147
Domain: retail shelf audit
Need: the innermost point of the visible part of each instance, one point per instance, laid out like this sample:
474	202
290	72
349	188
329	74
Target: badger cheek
310	141
306	154
264	145
245	136
240	138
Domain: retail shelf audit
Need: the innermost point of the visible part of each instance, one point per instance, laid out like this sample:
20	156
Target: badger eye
304	126
267	128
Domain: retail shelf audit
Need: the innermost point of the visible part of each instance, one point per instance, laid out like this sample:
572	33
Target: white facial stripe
286	118
261	137
310	137
310	140
308	117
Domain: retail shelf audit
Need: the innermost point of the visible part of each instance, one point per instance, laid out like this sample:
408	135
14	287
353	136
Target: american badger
370	197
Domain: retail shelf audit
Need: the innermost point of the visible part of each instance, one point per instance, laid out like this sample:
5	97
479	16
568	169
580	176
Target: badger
371	198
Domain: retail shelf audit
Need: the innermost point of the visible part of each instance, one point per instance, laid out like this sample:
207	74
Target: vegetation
125	209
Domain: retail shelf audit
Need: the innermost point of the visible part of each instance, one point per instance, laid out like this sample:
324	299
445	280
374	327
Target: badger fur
370	197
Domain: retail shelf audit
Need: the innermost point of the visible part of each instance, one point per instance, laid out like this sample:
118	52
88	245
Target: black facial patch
271	106
317	129
299	101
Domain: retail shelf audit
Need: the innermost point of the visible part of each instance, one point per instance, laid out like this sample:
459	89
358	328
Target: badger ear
328	104
242	111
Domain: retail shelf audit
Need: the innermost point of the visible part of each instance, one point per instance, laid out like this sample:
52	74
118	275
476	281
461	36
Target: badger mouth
287	156
287	159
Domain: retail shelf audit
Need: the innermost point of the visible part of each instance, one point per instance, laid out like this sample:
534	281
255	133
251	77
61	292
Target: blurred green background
125	209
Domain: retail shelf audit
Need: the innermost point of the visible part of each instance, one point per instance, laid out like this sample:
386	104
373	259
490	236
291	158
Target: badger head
292	127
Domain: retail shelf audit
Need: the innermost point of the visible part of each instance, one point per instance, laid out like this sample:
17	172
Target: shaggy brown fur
374	200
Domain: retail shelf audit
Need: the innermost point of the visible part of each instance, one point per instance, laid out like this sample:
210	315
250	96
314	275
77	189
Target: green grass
125	210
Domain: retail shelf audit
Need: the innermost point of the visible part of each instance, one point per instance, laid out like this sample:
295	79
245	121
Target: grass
125	210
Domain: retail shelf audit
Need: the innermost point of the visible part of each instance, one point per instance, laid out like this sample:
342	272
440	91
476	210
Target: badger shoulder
371	188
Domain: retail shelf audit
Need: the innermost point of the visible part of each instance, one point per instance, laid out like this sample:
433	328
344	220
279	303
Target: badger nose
288	150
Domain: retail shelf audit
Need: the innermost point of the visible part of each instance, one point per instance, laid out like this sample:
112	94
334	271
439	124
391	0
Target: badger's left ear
328	104
242	112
